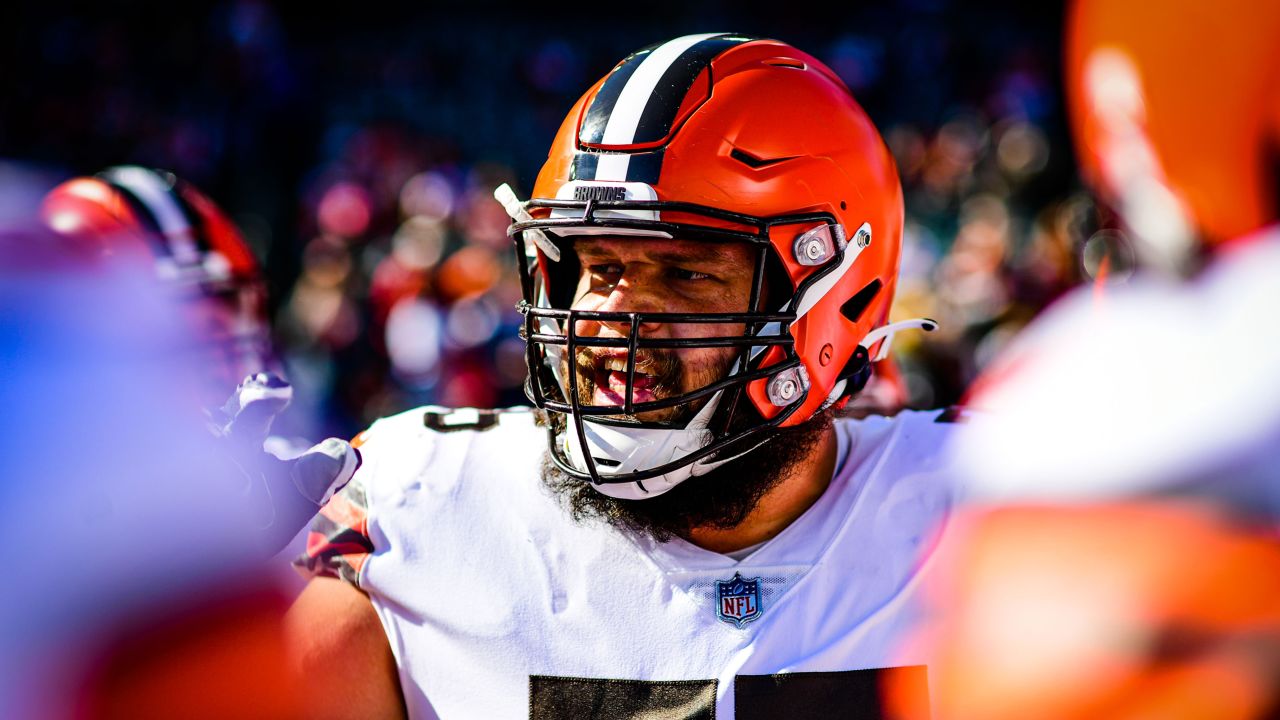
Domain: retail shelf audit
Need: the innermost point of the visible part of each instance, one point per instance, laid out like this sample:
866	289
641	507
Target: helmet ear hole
854	307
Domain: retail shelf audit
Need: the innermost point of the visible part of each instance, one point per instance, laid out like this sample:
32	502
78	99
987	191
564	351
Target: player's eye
603	275
686	274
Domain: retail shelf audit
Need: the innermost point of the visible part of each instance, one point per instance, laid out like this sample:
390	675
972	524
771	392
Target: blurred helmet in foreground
155	219
1176	117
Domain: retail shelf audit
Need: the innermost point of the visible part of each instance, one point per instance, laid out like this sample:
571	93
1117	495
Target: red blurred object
220	657
392	282
467	273
1118	611
345	210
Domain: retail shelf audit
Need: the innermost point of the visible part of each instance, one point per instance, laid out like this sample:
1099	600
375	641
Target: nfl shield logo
738	600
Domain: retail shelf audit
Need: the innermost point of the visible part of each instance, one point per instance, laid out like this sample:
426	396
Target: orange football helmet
1176	117
134	213
714	138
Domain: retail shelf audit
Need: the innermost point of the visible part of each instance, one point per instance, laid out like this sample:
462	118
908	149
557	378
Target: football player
178	302
683	526
151	220
164	222
116	485
1129	567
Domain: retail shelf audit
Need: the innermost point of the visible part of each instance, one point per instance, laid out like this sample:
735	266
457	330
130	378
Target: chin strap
885	333
637	448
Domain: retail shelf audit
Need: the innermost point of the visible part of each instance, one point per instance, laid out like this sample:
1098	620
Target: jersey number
850	695
454	419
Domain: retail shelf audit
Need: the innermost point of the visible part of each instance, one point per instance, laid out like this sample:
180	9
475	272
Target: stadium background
358	145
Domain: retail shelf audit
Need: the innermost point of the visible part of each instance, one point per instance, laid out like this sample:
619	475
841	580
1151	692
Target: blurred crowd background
358	147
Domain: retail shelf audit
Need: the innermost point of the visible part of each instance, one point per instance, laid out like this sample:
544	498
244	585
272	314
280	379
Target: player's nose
634	299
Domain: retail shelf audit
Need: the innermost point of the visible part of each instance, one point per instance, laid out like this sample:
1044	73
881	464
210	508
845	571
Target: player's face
658	275
228	345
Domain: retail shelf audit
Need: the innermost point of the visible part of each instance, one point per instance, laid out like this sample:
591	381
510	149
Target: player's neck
779	507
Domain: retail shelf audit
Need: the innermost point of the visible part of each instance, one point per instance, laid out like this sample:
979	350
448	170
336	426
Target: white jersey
497	605
1152	387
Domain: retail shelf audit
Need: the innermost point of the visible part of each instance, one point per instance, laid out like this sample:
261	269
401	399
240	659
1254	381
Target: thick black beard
720	499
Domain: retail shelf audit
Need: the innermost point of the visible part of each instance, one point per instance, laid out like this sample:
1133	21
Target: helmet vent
757	162
856	305
786	63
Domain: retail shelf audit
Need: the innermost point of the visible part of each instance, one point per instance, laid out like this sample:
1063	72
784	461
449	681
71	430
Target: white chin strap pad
636	449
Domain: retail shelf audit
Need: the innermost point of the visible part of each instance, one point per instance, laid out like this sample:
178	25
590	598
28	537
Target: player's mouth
609	383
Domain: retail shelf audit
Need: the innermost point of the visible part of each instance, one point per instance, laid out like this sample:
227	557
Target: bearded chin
720	499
